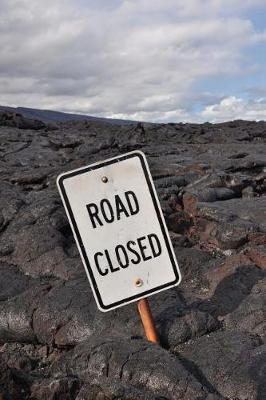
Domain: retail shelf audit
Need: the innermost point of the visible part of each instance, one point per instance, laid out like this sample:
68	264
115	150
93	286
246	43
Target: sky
149	60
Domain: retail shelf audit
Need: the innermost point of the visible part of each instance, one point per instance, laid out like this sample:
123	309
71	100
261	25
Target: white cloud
231	108
137	59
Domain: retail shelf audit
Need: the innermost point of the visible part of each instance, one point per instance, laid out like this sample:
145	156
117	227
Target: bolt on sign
119	228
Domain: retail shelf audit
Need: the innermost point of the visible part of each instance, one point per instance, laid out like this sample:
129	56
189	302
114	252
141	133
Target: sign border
157	207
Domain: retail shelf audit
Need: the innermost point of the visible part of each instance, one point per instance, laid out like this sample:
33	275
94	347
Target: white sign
119	228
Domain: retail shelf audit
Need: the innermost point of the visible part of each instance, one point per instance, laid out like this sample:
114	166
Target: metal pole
147	320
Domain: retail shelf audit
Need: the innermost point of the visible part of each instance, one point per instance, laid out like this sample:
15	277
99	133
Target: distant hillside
56	116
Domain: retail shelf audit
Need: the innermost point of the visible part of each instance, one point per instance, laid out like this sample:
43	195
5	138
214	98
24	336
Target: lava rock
250	315
18	121
135	362
225	362
56	344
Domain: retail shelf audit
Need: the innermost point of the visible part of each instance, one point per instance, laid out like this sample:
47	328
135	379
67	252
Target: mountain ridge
48	116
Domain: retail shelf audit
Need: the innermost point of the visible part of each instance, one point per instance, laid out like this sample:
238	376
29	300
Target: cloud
231	108
135	59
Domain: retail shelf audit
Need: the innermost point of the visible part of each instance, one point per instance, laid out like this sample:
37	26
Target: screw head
138	282
104	179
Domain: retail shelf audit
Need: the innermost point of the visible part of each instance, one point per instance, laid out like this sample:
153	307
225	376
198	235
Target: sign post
147	320
119	228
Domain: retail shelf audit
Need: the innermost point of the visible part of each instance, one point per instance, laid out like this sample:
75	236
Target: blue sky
152	60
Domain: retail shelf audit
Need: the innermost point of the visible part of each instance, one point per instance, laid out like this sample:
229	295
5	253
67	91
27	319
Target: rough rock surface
55	344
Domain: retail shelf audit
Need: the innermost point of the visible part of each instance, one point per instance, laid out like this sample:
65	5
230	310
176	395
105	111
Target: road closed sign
119	228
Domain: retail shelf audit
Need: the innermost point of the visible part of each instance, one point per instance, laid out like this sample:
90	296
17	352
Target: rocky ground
55	344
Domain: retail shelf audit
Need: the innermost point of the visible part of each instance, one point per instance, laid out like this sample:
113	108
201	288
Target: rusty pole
147	320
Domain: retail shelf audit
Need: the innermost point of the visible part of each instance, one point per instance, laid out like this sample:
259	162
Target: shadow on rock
232	290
